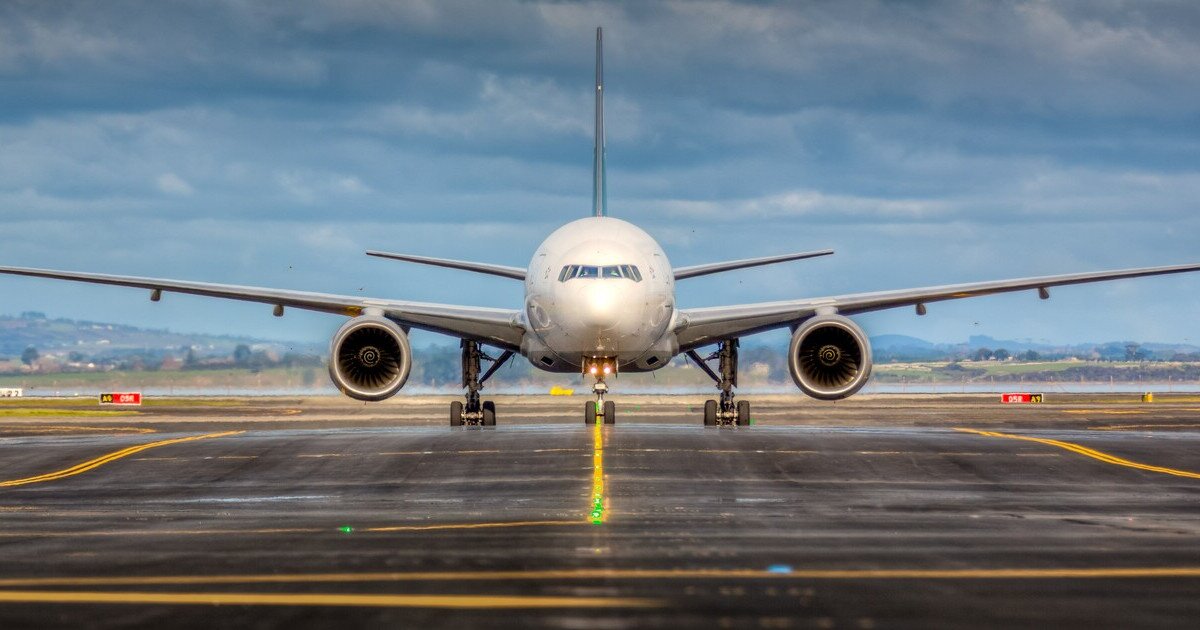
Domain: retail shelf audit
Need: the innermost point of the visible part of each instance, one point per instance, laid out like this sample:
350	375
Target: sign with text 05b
118	398
1020	398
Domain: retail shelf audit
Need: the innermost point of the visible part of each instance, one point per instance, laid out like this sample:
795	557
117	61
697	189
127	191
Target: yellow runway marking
104	459
323	599
1122	427
599	501
1088	452
1013	573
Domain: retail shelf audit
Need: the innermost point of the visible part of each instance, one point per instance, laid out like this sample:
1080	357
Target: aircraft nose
603	305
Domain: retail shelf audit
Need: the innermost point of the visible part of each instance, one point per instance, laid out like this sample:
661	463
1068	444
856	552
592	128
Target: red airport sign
118	398
1020	398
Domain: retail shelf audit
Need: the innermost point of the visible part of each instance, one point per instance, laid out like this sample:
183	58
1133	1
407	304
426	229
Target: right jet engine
830	357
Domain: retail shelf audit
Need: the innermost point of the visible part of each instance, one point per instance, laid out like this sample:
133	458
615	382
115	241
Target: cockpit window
629	272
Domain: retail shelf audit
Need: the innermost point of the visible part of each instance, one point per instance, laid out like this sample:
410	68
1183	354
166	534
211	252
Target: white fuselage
599	288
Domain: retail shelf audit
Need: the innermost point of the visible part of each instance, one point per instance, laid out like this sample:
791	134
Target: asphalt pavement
886	514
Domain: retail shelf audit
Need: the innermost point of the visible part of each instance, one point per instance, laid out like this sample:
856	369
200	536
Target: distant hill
100	341
104	339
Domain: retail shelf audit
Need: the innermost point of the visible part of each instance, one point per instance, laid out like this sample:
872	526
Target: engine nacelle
830	357
370	358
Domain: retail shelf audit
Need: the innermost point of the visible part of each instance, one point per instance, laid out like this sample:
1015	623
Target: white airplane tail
599	184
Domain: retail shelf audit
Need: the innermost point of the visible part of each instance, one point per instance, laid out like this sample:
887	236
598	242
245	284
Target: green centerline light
345	529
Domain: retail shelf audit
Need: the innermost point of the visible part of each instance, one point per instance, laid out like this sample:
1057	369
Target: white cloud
807	204
172	184
1028	137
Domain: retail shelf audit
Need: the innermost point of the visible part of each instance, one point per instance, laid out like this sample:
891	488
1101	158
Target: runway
888	512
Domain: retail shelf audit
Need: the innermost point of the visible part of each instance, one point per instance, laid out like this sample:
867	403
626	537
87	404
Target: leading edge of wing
701	326
516	273
497	326
708	268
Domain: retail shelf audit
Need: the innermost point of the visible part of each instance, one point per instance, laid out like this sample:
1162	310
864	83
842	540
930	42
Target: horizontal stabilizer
516	273
704	270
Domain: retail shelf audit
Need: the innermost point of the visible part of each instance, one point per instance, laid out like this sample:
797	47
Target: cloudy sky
271	143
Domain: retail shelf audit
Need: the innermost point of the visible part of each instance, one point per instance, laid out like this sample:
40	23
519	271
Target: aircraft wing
516	273
682	273
499	327
703	326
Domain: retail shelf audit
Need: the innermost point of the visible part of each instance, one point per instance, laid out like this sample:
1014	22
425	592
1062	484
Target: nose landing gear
599	410
476	412
726	411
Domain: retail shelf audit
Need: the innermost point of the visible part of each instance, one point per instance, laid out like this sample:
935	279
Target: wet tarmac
886	512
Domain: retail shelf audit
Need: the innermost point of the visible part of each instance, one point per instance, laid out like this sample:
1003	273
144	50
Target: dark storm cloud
903	131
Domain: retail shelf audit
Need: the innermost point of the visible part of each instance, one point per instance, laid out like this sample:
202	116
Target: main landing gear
723	412
599	410
475	412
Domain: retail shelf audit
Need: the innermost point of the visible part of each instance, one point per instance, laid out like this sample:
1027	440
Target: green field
1089	371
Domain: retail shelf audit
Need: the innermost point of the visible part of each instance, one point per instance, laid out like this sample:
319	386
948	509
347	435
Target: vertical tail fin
599	184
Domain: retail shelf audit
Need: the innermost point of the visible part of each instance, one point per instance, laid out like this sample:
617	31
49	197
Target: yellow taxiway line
323	599
1088	452
1127	427
1014	573
599	503
104	459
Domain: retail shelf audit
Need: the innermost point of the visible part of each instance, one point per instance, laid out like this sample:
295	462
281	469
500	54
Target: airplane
600	300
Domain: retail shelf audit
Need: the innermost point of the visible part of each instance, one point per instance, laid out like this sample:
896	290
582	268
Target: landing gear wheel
456	409
743	413
589	412
610	412
710	413
489	414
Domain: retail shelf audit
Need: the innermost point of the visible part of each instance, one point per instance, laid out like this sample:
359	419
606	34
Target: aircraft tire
589	412
489	413
610	412
743	413
456	408
710	413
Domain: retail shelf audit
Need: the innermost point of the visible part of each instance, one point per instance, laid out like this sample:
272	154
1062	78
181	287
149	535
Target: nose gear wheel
599	410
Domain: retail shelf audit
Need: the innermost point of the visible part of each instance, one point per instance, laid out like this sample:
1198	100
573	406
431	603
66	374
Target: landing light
593	369
607	369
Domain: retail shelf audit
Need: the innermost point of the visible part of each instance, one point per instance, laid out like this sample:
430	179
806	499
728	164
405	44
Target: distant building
171	364
11	392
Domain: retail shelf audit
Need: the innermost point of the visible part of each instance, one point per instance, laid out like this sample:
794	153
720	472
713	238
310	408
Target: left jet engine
370	358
